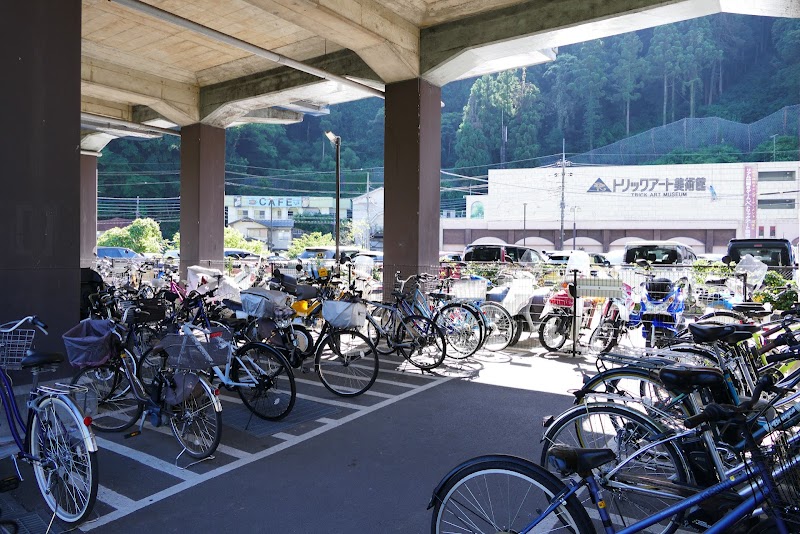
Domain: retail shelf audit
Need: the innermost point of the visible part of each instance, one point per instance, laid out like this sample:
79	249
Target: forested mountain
736	67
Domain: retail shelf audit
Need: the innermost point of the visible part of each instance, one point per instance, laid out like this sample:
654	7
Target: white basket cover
260	302
343	314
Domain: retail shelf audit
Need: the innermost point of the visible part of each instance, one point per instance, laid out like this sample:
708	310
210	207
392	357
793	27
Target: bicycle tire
501	326
272	392
623	430
196	423
497	495
605	336
641	386
421	342
384	318
112	405
66	470
346	363
463	328
149	365
553	331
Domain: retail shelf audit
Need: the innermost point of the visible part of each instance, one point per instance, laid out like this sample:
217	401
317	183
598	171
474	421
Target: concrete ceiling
140	68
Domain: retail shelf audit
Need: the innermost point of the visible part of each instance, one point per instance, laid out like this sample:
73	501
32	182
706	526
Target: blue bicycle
506	494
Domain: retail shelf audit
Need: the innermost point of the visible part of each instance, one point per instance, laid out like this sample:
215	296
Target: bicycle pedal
306	370
9	483
132	434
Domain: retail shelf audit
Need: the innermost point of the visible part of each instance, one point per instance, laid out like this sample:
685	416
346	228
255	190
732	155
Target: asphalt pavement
358	465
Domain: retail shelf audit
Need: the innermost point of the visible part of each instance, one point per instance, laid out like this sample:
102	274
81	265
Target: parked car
659	253
327	254
173	254
777	254
118	253
240	254
449	256
562	257
503	254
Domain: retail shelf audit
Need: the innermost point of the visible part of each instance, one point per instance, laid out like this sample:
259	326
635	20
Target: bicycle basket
198	352
13	347
781	453
343	314
89	343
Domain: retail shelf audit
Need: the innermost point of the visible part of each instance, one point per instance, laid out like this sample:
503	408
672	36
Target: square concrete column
202	197
40	50
88	207
412	160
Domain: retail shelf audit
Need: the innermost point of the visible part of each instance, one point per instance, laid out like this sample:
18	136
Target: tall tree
563	93
628	72
664	57
701	52
591	78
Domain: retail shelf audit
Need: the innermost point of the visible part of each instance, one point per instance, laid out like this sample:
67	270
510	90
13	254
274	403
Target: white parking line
224	449
197	479
146	459
112	498
332	402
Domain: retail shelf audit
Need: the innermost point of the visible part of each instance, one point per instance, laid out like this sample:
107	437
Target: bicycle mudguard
522	462
86	433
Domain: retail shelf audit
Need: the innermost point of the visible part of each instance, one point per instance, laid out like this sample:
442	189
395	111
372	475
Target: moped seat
497	294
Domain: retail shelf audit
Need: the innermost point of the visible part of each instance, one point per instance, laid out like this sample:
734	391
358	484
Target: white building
700	205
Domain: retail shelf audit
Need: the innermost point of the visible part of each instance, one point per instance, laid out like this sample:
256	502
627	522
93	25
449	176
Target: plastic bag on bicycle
182	386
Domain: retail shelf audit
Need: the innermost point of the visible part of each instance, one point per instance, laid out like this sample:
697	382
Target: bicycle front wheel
266	381
111	402
496	495
347	363
463	328
501	326
196	423
65	469
421	342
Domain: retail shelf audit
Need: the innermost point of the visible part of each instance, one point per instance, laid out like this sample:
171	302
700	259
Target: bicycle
54	437
176	393
510	494
417	338
345	360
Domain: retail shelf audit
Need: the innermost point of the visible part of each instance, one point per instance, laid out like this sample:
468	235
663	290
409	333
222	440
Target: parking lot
366	464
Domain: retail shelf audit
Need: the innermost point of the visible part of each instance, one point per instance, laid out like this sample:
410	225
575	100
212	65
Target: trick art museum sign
650	187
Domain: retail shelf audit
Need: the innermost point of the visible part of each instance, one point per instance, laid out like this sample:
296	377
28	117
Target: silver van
659	253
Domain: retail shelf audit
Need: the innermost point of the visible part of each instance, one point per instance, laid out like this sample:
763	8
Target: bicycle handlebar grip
697	420
712	413
38	322
764	383
782	356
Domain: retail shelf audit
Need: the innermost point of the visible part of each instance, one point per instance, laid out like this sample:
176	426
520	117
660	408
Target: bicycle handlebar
34	320
718	413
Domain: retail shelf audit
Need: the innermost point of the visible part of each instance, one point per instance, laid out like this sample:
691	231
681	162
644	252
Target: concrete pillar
412	160
88	165
40	50
202	196
709	244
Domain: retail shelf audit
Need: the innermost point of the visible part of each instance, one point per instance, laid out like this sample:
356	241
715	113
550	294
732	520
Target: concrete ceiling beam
114	110
386	41
454	49
225	103
763	8
176	101
93	141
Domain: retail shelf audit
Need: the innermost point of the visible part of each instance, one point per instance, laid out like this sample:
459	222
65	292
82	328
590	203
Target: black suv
777	254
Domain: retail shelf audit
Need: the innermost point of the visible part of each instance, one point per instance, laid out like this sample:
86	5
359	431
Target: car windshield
652	253
312	253
772	256
482	254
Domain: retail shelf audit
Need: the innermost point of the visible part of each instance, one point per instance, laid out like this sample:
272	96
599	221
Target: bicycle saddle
574	460
35	359
685	378
751	309
232	305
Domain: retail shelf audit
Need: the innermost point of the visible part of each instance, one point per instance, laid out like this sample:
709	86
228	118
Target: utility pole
271	228
574	210
773	146
524	223
563	176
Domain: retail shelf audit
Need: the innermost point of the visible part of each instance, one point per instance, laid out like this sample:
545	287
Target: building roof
274	223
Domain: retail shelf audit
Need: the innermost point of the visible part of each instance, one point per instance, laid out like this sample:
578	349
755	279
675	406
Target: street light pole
337	143
773	146
271	227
